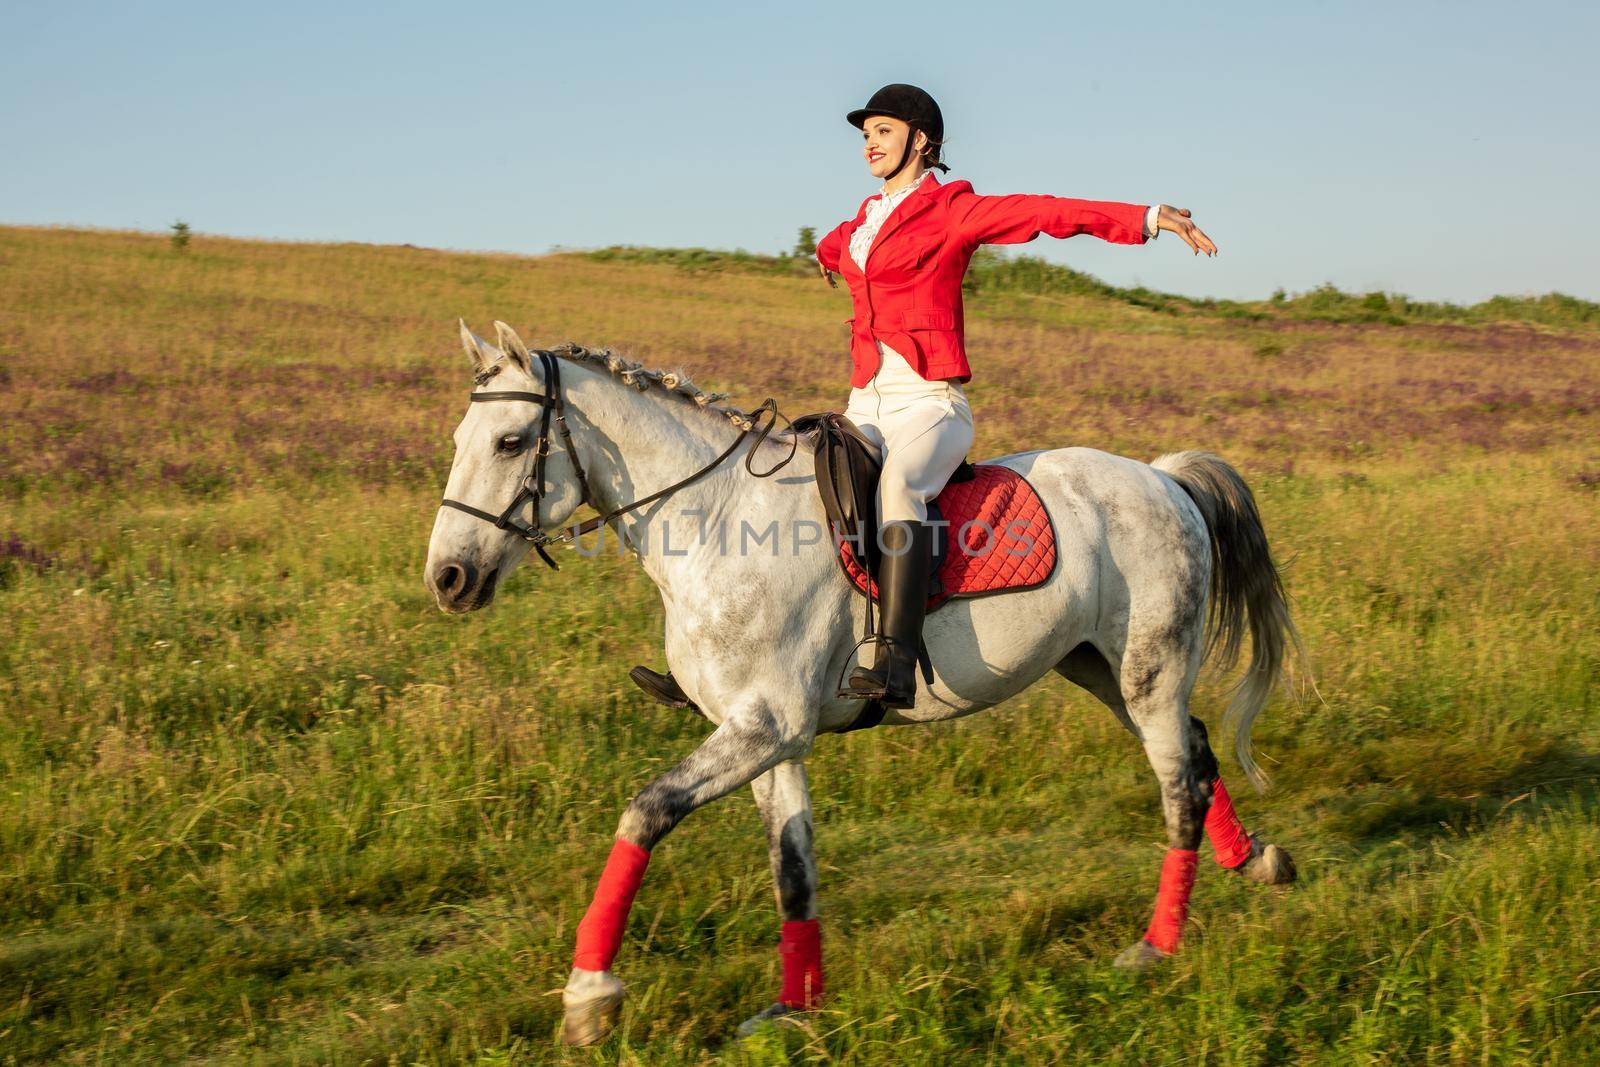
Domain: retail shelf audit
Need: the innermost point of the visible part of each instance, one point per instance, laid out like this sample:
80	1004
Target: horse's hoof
1268	864
593	1002
1139	956
778	1015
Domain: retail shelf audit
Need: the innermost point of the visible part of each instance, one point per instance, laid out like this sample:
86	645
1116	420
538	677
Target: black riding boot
902	602
663	687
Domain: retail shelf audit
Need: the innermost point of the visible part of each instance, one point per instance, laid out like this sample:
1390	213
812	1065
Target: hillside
997	270
263	803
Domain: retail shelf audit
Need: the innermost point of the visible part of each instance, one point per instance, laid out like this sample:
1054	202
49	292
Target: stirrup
865	683
875	681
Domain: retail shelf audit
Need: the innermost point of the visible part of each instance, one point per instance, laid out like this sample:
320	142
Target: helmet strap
905	157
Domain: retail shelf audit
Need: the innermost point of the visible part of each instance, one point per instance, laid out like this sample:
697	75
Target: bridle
533	486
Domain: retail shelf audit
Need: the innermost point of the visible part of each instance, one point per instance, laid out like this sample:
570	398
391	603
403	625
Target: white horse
1159	566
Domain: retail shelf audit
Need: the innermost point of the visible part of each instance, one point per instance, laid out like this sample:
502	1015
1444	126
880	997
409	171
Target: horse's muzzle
458	588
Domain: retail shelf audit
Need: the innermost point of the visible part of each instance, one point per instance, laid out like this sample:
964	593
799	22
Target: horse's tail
1245	586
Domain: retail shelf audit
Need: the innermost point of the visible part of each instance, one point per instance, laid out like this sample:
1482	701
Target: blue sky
1445	150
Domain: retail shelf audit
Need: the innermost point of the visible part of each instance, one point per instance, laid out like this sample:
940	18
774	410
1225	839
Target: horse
1162	566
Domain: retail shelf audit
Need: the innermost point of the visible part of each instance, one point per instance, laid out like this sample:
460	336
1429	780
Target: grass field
264	804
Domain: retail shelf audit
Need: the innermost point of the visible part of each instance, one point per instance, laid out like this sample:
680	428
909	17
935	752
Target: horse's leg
1232	847
1086	668
1156	679
784	799
741	748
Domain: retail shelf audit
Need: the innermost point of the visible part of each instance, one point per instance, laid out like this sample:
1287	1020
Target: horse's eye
510	444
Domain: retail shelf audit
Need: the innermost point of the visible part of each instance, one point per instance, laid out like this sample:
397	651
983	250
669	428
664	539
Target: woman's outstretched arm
1016	218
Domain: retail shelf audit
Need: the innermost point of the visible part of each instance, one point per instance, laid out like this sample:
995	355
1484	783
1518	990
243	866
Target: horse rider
904	255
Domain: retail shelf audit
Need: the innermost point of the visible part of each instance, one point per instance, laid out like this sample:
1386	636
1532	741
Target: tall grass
264	804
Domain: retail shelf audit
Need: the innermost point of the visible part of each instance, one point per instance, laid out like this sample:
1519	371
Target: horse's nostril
453	579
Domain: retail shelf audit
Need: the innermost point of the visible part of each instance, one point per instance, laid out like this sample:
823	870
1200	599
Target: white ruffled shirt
880	209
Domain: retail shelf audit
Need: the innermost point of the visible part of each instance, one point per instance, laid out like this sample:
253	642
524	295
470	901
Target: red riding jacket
910	295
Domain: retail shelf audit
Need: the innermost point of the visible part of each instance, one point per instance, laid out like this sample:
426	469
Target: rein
533	486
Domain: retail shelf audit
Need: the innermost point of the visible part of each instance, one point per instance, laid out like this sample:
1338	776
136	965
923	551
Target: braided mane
641	377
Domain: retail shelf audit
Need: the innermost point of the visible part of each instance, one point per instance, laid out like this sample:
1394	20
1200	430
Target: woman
904	256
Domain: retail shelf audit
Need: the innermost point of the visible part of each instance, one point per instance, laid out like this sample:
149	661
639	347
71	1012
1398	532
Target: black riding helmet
910	105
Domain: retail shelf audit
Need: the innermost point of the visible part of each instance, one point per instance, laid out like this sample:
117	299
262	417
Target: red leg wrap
1172	899
600	932
801	949
1228	839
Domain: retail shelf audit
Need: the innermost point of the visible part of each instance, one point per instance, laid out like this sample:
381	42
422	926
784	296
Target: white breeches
922	429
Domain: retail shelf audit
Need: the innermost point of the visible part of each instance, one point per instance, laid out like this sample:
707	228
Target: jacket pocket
927	319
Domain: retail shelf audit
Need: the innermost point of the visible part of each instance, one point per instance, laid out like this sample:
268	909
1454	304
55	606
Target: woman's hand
1176	219
825	272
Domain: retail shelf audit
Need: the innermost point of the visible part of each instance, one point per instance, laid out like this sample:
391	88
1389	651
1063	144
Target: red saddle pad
999	538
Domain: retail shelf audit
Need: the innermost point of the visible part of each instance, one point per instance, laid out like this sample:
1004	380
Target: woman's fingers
1178	222
1198	240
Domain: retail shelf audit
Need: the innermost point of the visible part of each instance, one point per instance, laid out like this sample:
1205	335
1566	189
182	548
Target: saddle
848	468
991	531
847	480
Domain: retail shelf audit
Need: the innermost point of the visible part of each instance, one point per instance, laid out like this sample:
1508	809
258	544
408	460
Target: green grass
264	804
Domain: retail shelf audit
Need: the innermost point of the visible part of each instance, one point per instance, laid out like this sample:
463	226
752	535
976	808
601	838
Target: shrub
806	243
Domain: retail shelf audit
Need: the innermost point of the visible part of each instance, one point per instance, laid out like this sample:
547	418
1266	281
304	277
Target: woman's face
884	139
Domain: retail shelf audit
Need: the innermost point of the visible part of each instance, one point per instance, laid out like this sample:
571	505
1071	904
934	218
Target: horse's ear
481	352
512	346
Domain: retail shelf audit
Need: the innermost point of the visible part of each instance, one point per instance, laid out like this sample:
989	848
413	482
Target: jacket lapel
846	260
909	208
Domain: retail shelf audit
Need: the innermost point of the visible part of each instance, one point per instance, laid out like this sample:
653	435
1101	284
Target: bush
806	244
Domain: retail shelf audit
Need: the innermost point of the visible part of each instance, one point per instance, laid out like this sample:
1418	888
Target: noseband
533	486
